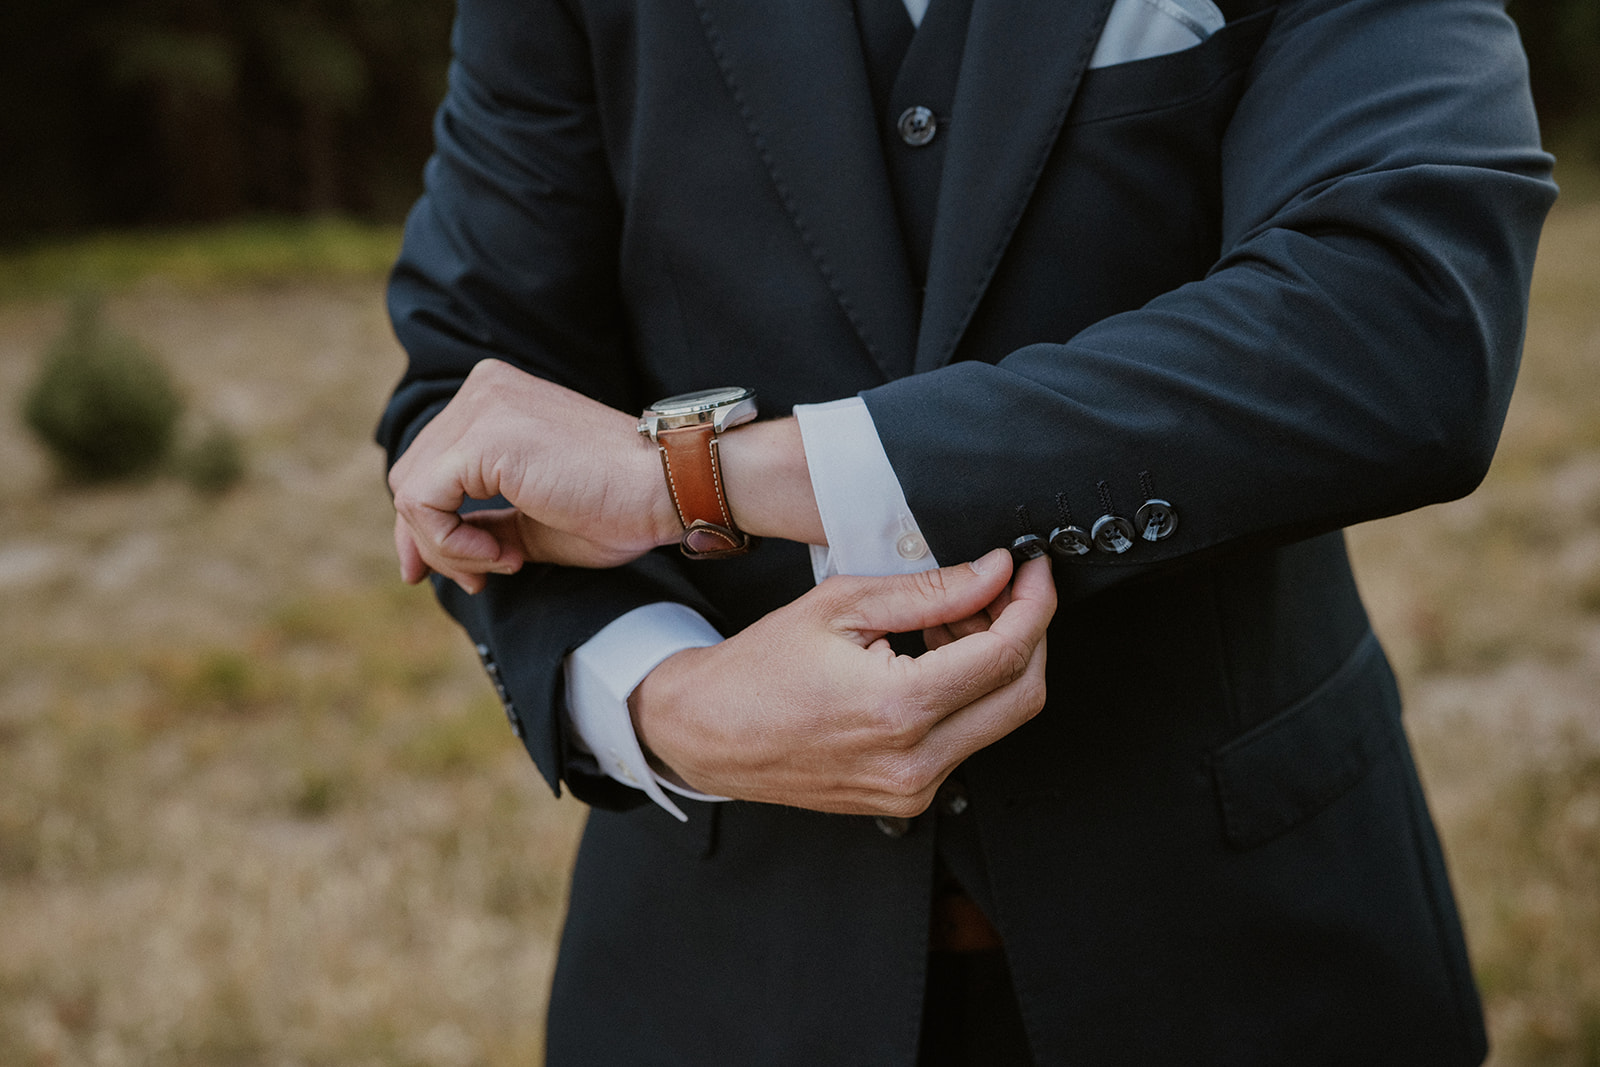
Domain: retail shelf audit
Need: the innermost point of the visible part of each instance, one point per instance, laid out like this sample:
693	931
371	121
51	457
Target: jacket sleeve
1350	354
511	254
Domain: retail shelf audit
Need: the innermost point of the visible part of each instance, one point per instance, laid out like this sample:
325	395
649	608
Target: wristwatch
684	429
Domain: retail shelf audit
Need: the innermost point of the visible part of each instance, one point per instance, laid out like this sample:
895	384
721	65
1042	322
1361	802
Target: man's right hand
811	708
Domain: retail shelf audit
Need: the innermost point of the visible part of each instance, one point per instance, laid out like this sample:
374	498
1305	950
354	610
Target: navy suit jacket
1278	279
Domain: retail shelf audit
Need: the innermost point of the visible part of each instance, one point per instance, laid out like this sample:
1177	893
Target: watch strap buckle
707	540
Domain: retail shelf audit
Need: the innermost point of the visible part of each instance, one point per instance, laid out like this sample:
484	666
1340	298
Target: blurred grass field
259	806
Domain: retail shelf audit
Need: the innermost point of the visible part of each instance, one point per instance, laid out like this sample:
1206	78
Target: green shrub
103	405
215	463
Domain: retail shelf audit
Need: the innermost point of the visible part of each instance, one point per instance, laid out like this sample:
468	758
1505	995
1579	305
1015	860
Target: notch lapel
796	71
1021	67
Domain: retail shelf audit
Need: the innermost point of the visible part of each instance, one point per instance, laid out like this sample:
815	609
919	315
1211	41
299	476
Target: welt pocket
1170	80
1288	768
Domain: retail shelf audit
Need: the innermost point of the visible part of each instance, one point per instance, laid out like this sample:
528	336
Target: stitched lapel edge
822	152
1013	97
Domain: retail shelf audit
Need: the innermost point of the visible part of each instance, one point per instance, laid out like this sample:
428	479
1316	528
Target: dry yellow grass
1490	607
259	807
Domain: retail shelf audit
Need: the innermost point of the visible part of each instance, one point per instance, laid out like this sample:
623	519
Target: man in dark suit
1172	289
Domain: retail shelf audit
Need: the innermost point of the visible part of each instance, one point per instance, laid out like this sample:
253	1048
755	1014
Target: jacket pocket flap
1280	773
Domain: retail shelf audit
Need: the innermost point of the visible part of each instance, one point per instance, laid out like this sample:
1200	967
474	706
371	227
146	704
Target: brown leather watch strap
694	477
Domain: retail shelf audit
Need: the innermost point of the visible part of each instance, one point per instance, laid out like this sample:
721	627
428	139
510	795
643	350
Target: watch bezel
723	407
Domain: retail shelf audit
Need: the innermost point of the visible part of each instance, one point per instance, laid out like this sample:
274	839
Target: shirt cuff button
620	769
911	546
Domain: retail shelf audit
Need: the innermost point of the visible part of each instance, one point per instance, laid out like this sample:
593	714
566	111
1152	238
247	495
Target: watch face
703	400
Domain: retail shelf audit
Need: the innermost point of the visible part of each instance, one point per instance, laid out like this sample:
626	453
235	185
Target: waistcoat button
917	126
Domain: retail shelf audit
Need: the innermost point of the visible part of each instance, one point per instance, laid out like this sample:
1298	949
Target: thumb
906	603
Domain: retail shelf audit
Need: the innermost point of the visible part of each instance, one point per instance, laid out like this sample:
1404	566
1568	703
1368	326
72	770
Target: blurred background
258	805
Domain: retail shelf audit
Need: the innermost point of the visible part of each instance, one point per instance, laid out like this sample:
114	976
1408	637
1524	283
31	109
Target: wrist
655	707
666	528
769	484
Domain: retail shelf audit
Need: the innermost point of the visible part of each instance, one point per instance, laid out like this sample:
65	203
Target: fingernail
989	562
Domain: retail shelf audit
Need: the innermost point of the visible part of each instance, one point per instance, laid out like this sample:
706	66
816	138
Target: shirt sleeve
868	524
604	671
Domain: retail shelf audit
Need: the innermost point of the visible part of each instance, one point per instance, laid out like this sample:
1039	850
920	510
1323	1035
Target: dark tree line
125	112
129	112
1563	42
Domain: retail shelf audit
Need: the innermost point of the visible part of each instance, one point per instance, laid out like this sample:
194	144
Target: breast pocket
1157	54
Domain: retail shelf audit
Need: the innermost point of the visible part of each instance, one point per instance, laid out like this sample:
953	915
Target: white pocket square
1140	29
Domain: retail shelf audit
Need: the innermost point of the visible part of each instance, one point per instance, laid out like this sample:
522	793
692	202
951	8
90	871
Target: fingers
991	716
906	603
442	467
976	663
415	565
438	530
1030	603
523	539
840	722
429	483
985	679
939	636
412	567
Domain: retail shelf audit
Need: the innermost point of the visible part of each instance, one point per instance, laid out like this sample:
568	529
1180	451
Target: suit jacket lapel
795	69
1022	65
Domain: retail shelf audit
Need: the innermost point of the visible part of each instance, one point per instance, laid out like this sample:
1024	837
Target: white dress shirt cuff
869	526
604	671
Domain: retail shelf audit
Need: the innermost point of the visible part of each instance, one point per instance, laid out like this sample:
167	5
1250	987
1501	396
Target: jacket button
1112	533
917	126
1068	541
1028	546
891	825
1156	520
952	798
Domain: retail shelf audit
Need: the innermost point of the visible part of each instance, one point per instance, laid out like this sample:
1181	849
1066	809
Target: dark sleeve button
1156	520
1070	541
486	657
917	126
1112	533
1028	546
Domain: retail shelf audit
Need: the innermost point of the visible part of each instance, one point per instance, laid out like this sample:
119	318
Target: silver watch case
724	408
